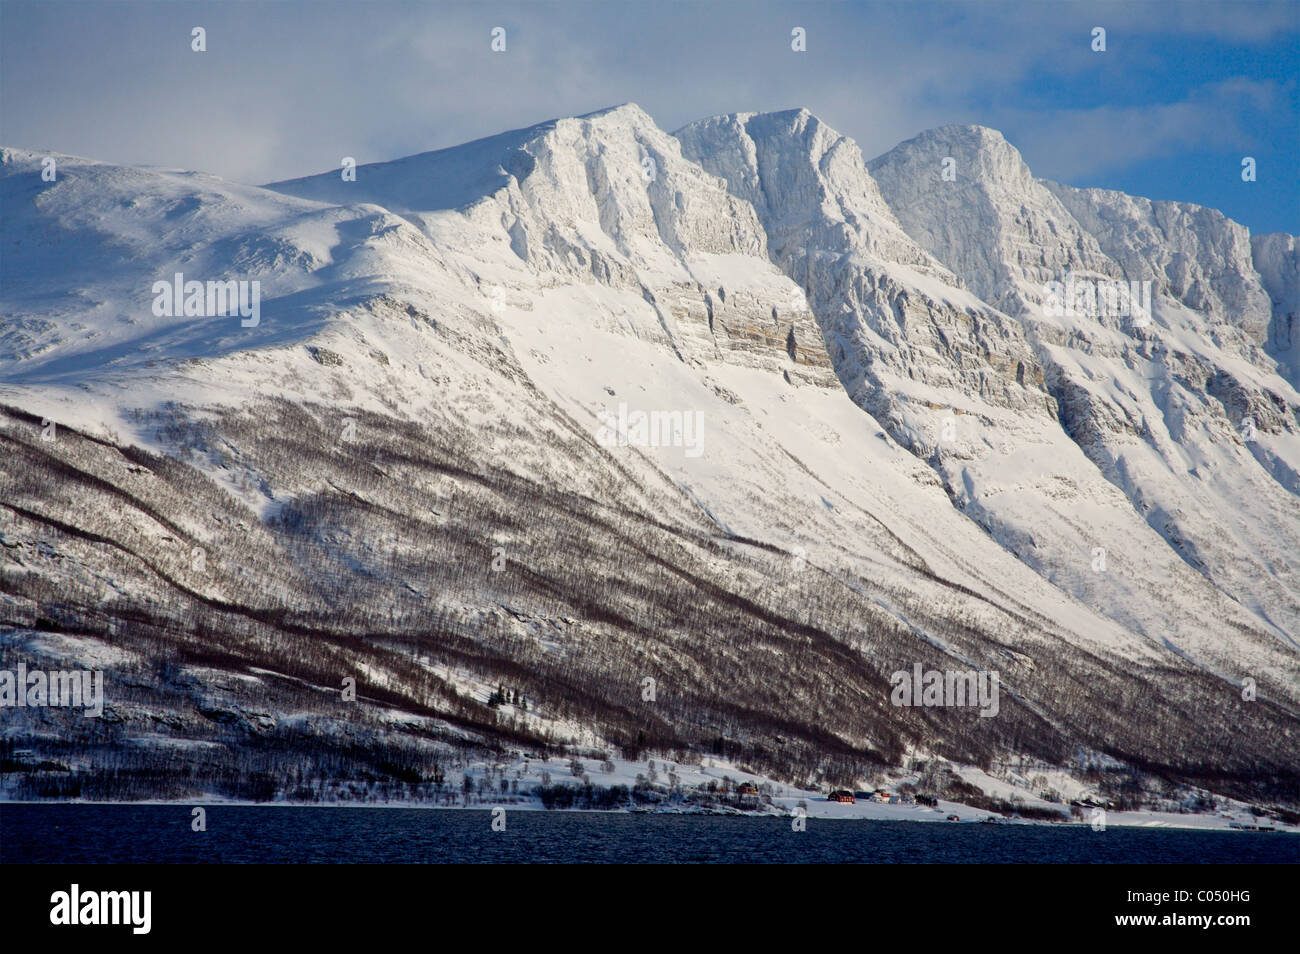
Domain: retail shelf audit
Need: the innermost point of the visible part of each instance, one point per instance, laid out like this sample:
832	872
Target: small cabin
841	795
746	788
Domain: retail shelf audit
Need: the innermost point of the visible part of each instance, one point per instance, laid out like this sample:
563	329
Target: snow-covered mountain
1059	444
1181	409
430	465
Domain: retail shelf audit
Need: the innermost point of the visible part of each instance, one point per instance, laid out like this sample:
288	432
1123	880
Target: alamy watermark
652	429
36	688
75	906
946	688
195	299
1095	298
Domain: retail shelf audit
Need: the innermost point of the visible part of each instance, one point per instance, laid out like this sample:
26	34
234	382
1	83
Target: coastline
833	812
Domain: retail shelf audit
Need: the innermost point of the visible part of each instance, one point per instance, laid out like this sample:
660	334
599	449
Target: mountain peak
794	120
809	183
799	115
966	195
967	136
977	152
459	176
971	131
627	110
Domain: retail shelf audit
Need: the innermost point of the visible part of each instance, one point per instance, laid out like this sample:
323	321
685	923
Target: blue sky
1183	92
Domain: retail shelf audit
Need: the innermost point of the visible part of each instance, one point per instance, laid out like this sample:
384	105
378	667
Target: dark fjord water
161	833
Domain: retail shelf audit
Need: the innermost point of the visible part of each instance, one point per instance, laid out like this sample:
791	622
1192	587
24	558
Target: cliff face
1277	259
607	199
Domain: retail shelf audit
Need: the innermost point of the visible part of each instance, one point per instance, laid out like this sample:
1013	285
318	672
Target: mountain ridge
469	317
